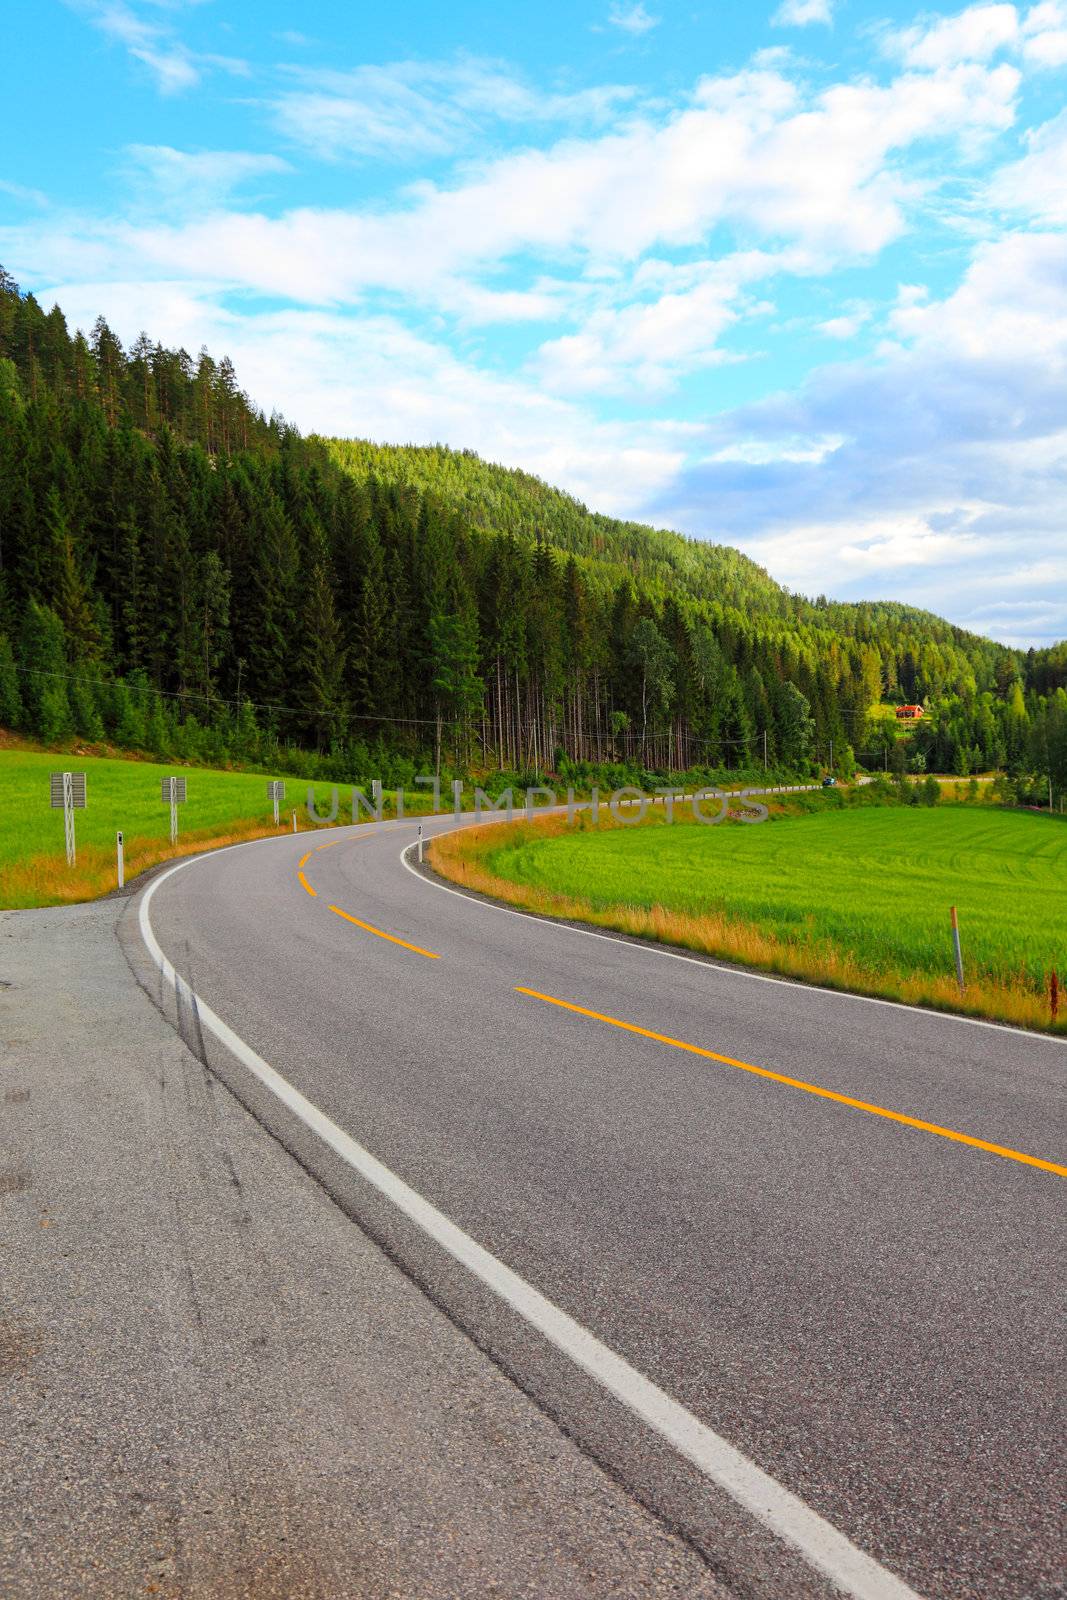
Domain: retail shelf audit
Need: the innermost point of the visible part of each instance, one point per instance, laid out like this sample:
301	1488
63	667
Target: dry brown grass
46	880
460	857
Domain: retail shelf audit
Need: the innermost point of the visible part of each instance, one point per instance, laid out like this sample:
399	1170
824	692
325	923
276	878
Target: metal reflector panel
77	790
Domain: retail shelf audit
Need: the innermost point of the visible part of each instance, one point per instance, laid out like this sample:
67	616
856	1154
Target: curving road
746	1202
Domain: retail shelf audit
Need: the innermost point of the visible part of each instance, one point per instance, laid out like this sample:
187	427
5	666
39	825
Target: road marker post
172	791
294	821
67	791
957	950
420	844
276	792
120	860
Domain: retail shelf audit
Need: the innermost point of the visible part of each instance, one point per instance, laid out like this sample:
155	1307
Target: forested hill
499	499
185	575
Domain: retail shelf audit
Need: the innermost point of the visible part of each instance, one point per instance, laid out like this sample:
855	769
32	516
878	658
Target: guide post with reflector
276	792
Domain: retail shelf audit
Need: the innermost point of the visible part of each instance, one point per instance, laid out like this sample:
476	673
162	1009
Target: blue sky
792	277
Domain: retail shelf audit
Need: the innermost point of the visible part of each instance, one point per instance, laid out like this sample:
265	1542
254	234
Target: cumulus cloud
633	19
1036	185
801	13
945	485
813	173
644	345
1038	36
972	35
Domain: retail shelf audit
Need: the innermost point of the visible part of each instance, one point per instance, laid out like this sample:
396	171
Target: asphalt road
870	1311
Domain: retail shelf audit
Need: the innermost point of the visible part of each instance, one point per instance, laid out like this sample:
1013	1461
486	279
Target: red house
909	713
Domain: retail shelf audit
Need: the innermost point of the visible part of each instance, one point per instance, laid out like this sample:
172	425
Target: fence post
120	858
956	948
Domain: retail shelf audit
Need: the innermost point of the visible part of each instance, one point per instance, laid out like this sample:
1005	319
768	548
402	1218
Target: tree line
180	573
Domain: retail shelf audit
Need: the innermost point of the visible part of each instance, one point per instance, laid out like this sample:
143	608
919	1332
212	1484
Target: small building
909	713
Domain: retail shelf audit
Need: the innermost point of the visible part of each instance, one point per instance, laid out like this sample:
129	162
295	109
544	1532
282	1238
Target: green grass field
859	897
125	794
878	883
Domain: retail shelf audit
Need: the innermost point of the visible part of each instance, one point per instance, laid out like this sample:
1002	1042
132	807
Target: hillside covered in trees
183	575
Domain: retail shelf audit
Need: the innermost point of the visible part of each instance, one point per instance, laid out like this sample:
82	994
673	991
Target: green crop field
864	893
125	794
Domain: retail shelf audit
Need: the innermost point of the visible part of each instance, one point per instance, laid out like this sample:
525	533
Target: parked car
829	783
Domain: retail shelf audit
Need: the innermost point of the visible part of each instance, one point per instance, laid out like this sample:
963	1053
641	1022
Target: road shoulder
214	1383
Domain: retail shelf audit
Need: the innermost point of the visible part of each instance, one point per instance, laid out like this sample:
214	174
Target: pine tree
42	658
321	664
11	712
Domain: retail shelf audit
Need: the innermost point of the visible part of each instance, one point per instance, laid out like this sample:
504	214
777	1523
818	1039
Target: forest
182	575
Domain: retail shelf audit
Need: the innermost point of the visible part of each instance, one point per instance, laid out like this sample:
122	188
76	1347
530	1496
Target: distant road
828	1231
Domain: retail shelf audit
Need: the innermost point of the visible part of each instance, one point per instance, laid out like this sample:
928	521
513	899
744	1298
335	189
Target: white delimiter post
956	947
420	844
120	859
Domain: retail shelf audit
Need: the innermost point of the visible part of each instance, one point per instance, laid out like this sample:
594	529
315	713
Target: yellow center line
808	1088
304	860
392	938
306	884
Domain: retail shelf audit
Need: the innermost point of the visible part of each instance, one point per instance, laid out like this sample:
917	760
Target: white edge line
650	947
780	1511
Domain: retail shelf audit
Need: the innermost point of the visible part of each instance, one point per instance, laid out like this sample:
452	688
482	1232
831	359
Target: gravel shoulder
213	1383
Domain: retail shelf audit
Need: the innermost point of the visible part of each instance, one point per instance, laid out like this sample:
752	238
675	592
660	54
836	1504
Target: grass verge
764	922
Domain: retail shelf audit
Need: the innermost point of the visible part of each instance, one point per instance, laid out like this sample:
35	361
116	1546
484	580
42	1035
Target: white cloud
802	557
1011	305
633	19
19	191
1044	42
1039	36
185	180
645	345
1036	185
762	452
155	45
975	34
945	484
801	13
847	325
411	109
